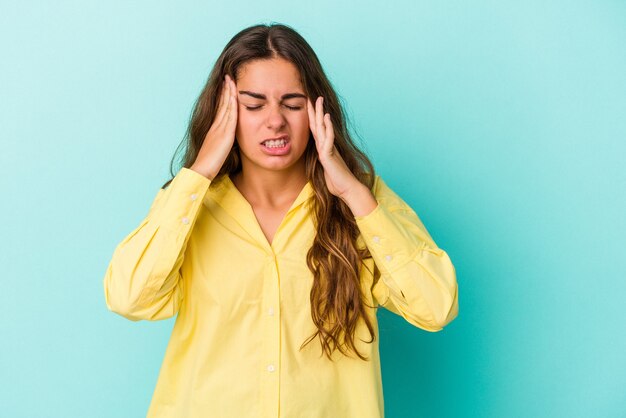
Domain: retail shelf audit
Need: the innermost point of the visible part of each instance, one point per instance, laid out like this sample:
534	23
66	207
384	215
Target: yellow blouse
243	305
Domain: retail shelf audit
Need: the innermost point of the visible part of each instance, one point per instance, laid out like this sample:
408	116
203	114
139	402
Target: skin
267	180
271	183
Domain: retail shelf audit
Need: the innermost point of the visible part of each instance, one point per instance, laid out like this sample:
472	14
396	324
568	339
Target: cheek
246	123
300	122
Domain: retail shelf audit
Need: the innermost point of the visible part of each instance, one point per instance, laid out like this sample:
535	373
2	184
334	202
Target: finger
222	109
226	106
319	125
310	110
233	104
329	132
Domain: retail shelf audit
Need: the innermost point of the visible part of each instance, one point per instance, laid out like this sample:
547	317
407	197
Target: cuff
392	246
182	199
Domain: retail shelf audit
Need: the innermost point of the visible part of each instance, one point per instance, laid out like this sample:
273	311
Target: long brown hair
334	258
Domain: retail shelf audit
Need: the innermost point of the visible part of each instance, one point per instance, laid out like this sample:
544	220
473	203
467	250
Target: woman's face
271	103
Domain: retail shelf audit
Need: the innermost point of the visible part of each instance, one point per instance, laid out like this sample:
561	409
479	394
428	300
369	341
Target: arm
417	279
143	279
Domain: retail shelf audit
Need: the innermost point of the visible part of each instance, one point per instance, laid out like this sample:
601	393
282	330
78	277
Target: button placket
271	342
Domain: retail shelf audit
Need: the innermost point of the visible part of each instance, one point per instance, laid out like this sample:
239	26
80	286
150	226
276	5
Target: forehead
269	75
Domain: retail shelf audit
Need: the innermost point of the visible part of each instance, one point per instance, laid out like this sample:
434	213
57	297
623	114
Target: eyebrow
263	97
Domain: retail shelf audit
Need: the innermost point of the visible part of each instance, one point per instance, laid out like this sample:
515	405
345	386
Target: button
270	311
270	368
194	196
388	257
185	220
376	239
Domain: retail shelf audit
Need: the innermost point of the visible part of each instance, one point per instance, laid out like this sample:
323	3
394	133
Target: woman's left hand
339	179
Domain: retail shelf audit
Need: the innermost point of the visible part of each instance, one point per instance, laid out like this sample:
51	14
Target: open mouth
276	146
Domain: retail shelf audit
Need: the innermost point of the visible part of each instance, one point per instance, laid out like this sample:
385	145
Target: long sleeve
143	278
416	279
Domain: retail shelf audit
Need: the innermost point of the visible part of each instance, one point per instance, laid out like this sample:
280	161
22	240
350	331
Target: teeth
275	143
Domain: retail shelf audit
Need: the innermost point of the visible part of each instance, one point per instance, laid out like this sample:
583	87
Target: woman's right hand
221	136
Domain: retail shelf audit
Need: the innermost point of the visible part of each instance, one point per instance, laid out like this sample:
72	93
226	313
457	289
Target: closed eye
288	107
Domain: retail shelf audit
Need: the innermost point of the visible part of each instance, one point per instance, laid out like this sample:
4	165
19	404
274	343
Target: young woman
276	230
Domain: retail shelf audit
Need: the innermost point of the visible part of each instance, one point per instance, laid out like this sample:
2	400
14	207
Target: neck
270	188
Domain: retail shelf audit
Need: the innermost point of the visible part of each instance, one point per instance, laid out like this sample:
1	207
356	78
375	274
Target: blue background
502	123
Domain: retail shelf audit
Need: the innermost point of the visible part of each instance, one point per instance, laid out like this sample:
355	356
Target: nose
275	118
